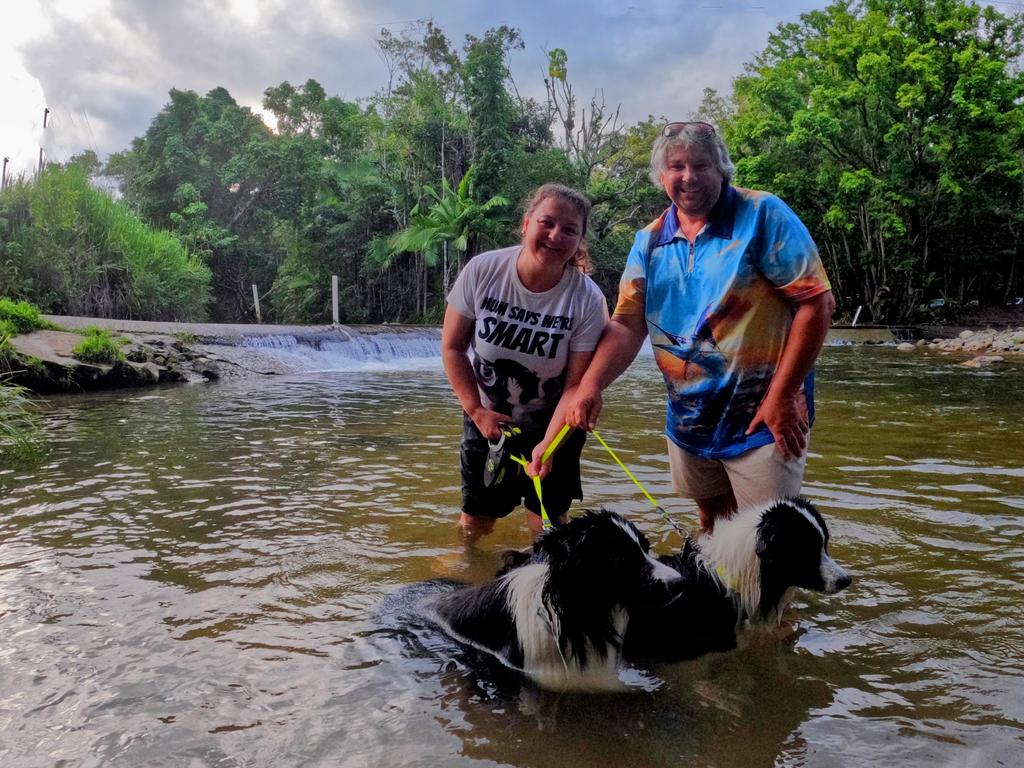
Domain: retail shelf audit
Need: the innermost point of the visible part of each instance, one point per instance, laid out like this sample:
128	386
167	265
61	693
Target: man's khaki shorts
757	477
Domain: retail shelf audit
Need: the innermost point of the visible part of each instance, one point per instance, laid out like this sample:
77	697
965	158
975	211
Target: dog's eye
487	377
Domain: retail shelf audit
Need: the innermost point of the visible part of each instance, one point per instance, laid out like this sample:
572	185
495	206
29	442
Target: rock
922	343
981	361
965	334
906	347
149	372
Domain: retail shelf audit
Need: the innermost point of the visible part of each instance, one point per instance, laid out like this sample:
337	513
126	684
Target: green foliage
98	347
74	250
895	128
19	421
451	219
20	317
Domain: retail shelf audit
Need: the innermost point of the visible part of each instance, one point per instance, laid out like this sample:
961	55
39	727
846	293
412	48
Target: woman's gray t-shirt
522	339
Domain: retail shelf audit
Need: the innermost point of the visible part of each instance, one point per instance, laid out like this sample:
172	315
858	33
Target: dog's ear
512	559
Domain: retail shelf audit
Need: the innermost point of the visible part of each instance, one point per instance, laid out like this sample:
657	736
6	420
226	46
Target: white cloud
21	118
105	66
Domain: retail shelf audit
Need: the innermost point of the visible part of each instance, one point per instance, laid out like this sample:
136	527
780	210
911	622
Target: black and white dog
746	571
560	613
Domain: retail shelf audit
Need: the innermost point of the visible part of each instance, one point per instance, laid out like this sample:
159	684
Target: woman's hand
537	467
488	422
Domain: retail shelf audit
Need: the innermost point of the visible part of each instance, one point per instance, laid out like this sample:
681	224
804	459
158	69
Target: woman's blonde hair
578	202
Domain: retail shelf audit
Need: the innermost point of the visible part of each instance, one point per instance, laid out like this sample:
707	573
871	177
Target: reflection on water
201	576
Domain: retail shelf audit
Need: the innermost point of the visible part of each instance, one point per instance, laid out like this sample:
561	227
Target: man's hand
584	408
786	419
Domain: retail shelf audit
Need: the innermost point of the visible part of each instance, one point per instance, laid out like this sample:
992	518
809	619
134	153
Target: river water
208	575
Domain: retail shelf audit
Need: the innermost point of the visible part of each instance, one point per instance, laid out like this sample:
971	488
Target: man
729	286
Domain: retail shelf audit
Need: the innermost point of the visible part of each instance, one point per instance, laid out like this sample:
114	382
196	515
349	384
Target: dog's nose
843	582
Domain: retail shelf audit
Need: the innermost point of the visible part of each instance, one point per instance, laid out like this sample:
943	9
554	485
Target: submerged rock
982	361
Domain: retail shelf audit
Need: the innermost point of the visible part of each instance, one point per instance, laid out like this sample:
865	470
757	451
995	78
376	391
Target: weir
346	347
299	347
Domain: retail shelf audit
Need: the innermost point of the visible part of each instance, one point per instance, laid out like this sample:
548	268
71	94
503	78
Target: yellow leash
544	519
639	485
556	443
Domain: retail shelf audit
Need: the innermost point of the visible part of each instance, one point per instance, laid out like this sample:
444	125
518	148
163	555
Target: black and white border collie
745	572
560	613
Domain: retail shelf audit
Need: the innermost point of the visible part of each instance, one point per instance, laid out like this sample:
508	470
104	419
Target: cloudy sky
104	67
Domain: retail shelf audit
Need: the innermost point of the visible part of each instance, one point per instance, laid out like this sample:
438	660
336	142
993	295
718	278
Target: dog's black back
703	616
566	605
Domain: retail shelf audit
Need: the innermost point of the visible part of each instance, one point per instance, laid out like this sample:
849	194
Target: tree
452	218
589	139
894	128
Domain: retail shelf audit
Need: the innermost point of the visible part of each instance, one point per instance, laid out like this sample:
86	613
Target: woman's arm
456	335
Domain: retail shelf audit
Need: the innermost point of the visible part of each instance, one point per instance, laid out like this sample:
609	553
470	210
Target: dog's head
765	553
792	547
603	555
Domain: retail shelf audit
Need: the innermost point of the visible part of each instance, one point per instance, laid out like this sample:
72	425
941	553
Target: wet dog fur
560	613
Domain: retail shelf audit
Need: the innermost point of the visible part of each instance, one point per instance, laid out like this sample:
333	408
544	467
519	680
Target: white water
404	350
350	350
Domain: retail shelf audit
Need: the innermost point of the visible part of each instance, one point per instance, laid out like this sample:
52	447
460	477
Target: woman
533	319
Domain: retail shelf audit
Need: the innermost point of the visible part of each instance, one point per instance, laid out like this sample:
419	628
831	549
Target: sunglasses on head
698	129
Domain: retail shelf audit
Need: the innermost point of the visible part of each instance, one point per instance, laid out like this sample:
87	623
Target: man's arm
578	364
619	345
782	410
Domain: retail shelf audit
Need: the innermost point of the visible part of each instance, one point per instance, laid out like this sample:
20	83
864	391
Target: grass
20	317
19	423
186	337
98	347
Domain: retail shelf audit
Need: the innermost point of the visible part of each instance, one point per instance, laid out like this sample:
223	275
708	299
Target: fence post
334	297
256	302
3	178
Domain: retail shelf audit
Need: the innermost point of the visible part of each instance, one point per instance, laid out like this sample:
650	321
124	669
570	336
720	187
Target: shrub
98	347
72	249
21	316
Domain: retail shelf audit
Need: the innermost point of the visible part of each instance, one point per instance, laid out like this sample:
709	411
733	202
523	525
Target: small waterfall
350	348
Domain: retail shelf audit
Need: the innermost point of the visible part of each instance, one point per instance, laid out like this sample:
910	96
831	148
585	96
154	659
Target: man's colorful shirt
719	312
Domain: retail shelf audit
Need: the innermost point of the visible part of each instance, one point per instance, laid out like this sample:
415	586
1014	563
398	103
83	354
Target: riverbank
44	362
164	352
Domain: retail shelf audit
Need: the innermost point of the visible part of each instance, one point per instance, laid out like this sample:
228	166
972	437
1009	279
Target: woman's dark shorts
559	488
